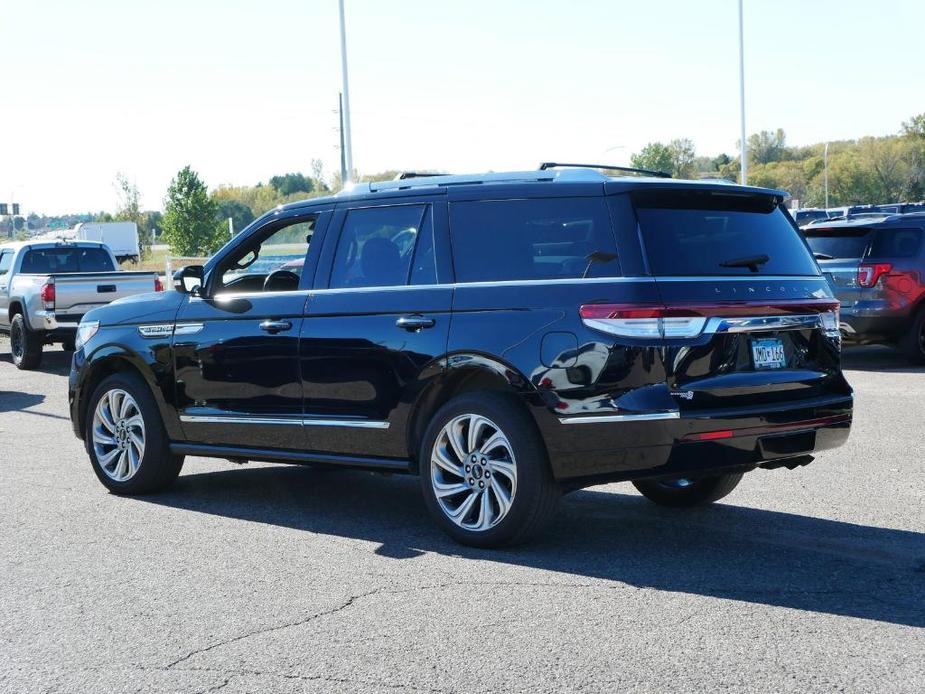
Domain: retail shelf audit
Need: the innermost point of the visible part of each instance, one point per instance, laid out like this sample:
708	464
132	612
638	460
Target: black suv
507	337
876	267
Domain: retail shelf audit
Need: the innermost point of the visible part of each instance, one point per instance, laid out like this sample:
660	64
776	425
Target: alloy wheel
16	341
473	472
118	435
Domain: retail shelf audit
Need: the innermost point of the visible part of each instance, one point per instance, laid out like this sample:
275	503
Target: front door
236	345
375	329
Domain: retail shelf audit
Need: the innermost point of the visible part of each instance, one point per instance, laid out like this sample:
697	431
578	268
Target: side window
376	246
6	261
535	239
896	243
273	262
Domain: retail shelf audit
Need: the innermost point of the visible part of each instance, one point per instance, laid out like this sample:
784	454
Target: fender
157	373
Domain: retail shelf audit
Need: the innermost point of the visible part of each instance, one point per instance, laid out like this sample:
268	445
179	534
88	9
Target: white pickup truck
47	286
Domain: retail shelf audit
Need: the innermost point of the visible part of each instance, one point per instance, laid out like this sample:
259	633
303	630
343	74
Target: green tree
767	146
241	215
292	183
129	210
189	216
915	126
655	156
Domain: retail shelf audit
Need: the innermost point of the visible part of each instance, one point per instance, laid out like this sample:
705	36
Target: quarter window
551	238
377	245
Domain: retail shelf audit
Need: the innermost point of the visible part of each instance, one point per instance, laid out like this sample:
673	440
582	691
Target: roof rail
404	175
645	172
435	180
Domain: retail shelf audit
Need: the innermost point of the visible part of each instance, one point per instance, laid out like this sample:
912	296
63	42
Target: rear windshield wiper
752	262
597	257
822	256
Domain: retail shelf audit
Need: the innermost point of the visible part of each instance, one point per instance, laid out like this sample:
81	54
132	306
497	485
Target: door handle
275	326
415	323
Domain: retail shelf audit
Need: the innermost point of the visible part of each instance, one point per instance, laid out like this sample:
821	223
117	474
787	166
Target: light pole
825	164
348	146
744	147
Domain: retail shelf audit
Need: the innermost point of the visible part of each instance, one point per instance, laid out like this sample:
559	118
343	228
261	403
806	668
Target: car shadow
723	551
54	359
876	358
13	400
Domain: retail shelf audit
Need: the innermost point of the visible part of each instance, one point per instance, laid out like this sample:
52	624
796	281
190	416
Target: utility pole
825	163
348	146
231	227
343	153
744	147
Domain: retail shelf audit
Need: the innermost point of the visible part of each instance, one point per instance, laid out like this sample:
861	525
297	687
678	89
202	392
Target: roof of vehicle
424	184
49	243
885	220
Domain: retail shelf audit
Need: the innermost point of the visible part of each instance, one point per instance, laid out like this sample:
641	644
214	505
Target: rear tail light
870	273
47	294
158	285
656	321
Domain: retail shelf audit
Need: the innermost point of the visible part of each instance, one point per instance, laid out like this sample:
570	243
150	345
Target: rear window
535	239
839	243
43	261
702	233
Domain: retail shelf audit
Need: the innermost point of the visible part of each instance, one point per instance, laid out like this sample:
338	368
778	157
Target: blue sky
245	89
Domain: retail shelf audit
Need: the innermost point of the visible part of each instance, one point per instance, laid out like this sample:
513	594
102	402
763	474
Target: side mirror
188	280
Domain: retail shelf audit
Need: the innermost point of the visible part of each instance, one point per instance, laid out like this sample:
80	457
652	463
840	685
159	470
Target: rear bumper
54	325
873	322
697	443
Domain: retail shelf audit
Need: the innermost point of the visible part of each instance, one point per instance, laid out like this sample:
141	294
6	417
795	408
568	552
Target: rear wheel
485	472
684	491
25	344
913	344
126	439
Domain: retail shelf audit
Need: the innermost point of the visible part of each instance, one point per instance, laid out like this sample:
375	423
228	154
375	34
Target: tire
682	492
25	344
913	343
518	494
68	344
134	469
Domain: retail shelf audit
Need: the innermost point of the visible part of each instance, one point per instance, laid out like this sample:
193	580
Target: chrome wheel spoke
101	437
459	515
476	426
506	468
444	490
494	441
118	435
502	498
484	519
457	442
107	458
441	459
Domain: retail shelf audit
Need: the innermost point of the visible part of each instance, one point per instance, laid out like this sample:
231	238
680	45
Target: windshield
703	233
42	261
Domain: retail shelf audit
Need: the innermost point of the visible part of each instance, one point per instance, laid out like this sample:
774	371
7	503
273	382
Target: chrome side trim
231	419
754	279
606	418
258	419
168	329
718	324
187	328
351	423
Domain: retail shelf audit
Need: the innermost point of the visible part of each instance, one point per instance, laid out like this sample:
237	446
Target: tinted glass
61	260
705	233
839	243
896	243
551	238
376	246
6	260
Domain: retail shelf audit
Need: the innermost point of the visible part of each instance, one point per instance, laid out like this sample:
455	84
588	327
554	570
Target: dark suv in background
877	270
507	337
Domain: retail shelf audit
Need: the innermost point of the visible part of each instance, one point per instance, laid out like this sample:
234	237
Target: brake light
869	273
47	294
709	435
158	285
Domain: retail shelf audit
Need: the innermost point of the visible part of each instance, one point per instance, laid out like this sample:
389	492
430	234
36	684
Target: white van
121	237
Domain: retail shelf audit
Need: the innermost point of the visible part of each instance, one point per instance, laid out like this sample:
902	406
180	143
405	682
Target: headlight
84	332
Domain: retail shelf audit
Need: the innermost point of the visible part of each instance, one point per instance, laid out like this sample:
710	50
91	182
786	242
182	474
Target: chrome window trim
602	419
294	421
737	278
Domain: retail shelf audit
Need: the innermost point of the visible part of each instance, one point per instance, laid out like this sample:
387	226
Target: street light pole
825	163
744	146
348	145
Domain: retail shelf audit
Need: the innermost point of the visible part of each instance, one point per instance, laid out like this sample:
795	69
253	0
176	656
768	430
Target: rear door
375	325
762	323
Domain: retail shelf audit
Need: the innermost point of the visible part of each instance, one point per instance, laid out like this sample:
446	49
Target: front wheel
684	491
485	472
126	439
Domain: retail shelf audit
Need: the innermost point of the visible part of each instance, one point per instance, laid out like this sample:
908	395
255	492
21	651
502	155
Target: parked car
902	207
120	237
47	287
807	215
545	331
877	270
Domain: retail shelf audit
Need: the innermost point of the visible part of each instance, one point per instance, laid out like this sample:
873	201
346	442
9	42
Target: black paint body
345	361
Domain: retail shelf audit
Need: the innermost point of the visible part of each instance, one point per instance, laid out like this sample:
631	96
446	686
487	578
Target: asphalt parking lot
267	578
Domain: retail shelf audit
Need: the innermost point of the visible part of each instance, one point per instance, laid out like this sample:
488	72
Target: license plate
768	353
